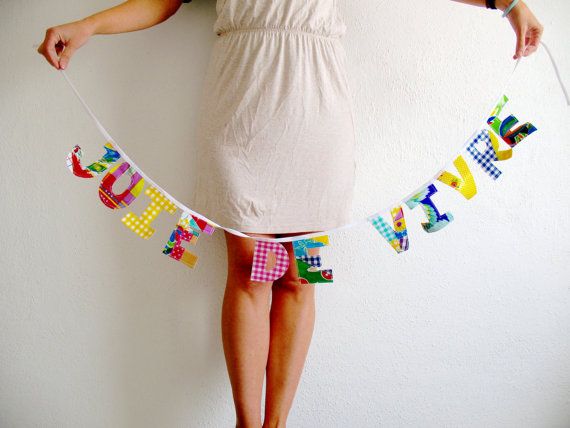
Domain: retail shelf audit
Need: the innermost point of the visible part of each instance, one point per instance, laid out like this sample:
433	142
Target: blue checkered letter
486	158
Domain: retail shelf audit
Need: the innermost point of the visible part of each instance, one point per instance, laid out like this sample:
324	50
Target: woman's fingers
527	29
534	35
47	48
66	56
62	41
519	50
59	48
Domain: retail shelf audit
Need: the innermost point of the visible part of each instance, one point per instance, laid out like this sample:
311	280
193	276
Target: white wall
467	329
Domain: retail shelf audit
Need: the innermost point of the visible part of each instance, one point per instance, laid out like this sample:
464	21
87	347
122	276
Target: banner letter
188	229
258	269
396	236
308	260
74	162
141	225
436	221
464	185
114	201
491	153
505	127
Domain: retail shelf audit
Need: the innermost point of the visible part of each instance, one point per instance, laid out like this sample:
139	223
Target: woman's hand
131	15
62	41
526	26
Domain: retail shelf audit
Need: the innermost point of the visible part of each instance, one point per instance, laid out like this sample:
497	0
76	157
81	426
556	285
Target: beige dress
275	136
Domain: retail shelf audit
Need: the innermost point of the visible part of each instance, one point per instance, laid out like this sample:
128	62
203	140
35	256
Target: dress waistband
278	30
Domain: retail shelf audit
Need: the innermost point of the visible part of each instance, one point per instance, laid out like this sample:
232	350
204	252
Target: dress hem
306	228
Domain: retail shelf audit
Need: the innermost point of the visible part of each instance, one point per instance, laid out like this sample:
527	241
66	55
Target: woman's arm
524	23
131	15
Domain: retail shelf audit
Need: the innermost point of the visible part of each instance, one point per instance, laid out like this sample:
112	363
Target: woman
276	156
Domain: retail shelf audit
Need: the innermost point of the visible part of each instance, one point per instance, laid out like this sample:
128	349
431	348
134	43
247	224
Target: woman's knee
291	284
290	281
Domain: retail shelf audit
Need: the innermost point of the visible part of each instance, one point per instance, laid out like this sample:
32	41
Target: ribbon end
562	87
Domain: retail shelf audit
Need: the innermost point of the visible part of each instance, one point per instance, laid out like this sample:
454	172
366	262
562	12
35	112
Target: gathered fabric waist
279	31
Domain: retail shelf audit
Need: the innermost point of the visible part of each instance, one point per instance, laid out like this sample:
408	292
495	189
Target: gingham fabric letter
505	127
110	198
492	153
258	268
396	236
484	159
141	225
464	184
74	162
436	221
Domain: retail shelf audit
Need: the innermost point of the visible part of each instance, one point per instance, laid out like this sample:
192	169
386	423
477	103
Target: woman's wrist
90	25
503	4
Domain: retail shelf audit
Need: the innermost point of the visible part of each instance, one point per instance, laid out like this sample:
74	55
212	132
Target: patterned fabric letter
175	249
308	260
485	159
74	162
491	153
258	268
114	201
188	229
505	127
141	225
464	185
396	236
436	221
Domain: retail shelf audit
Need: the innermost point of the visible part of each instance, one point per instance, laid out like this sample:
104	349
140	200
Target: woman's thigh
240	253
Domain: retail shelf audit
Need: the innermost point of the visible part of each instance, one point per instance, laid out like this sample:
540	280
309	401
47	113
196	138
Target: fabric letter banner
74	162
308	260
114	201
141	225
491	142
259	271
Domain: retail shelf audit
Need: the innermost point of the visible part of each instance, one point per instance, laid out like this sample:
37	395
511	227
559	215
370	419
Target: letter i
141	225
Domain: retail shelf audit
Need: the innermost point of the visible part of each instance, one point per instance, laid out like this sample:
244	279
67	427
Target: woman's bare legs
292	320
245	330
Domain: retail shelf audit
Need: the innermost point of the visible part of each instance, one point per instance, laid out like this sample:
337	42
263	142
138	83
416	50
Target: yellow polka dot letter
141	225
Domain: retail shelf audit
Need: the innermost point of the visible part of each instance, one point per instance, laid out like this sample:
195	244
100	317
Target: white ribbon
362	221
